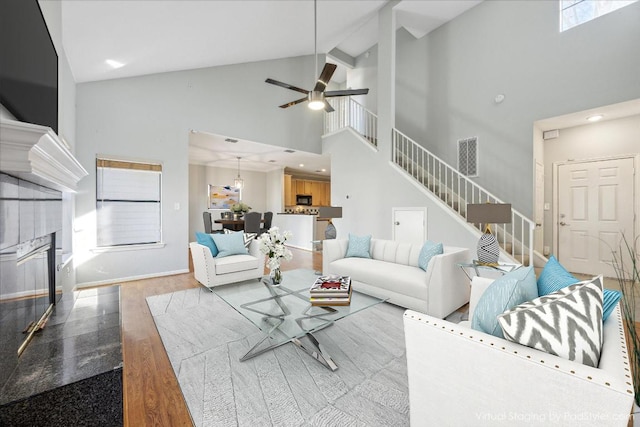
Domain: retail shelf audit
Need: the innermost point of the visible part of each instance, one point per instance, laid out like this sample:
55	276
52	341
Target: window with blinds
128	203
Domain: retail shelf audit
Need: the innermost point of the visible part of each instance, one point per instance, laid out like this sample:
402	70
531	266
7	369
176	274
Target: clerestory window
576	12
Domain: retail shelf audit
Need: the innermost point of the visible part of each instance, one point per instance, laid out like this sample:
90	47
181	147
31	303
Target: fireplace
35	169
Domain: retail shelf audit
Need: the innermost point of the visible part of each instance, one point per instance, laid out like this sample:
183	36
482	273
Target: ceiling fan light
316	100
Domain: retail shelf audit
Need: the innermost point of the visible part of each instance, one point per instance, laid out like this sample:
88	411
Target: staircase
453	189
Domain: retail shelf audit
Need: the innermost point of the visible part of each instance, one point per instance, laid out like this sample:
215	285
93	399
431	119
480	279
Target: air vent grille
468	156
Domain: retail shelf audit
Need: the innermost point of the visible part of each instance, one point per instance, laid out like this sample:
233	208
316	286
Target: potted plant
239	209
626	263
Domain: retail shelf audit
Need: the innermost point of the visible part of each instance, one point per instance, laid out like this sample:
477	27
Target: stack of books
331	290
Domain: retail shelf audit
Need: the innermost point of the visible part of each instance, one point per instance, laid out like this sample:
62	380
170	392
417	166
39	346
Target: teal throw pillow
609	301
358	246
230	244
505	293
554	277
428	251
205	240
248	237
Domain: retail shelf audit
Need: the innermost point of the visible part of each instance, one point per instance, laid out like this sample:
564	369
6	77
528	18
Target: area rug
205	338
95	401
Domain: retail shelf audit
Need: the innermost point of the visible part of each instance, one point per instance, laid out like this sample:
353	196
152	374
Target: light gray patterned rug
205	338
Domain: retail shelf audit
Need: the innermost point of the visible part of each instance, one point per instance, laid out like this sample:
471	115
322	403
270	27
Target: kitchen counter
304	228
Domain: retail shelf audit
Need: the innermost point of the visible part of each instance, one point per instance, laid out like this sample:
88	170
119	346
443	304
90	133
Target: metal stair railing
456	190
452	188
350	113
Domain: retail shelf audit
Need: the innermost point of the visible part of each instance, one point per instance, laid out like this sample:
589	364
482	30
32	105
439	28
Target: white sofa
461	377
214	271
392	272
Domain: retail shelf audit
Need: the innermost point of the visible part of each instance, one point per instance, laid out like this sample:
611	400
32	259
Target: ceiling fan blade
292	103
346	92
286	86
325	77
327	107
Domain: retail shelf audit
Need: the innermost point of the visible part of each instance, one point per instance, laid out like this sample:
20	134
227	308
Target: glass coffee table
285	314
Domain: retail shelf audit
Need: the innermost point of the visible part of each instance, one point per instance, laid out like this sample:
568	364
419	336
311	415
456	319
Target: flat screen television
28	64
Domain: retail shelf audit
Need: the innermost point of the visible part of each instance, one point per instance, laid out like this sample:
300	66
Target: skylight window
576	12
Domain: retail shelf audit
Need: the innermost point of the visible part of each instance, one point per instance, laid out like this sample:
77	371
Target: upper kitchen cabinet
320	191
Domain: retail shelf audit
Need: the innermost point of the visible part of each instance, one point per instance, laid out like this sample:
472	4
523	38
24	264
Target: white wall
365	75
149	118
369	188
591	141
447	82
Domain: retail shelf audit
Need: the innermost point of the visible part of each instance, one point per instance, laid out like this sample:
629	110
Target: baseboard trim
128	279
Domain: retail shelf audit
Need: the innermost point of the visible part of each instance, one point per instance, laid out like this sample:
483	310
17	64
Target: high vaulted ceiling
154	36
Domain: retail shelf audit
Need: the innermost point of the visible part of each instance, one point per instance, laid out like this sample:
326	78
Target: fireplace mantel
35	153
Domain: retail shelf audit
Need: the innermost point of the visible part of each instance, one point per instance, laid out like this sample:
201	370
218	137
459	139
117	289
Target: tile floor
81	339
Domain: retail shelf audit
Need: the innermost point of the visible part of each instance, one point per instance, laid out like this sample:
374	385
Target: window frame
137	165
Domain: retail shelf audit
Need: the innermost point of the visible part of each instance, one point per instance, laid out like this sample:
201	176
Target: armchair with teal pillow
232	262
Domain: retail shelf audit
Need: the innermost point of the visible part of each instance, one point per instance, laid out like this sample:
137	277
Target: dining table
234	224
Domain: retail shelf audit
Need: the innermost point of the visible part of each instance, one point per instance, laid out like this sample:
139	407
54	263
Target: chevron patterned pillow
567	323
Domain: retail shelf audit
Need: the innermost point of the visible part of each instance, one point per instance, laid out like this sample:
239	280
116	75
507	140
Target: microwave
303	199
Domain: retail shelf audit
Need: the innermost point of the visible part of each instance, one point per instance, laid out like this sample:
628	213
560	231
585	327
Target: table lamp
487	214
330	212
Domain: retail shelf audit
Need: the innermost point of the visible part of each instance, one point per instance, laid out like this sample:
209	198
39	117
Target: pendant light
239	182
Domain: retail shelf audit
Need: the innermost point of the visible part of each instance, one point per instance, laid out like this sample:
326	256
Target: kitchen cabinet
289	193
316	194
320	191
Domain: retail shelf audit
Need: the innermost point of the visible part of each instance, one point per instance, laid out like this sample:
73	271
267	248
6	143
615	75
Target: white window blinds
128	203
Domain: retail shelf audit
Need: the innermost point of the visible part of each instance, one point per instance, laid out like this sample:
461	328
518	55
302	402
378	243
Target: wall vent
468	156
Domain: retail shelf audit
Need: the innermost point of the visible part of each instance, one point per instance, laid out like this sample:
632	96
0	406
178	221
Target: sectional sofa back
396	252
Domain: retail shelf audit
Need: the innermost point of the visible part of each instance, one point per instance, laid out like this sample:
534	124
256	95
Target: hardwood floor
152	396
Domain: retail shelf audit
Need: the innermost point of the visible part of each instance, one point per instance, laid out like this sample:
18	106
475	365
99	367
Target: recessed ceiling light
595	117
323	170
114	64
272	161
301	165
231	140
289	151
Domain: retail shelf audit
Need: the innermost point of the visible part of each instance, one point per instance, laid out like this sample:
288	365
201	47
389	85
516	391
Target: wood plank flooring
152	396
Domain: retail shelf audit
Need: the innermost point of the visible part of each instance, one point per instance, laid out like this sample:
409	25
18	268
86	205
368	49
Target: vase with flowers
272	245
239	209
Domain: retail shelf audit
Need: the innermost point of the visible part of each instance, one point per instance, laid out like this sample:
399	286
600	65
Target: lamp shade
489	213
330	212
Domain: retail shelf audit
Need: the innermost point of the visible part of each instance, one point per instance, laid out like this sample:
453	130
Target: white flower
272	244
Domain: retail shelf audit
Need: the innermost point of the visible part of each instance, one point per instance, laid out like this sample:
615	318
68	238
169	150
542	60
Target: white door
409	224
539	209
595	204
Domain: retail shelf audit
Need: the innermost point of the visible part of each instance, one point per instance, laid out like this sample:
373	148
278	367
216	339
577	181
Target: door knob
562	223
397	223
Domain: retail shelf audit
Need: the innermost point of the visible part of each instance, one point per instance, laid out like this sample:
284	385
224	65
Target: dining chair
208	225
268	219
252	222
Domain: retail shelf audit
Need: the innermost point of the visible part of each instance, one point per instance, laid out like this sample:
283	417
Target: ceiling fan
317	96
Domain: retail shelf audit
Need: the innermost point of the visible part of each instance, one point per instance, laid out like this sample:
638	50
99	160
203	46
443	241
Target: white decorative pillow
248	237
567	323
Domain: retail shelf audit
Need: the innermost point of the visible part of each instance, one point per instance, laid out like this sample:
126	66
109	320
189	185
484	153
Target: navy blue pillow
206	240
